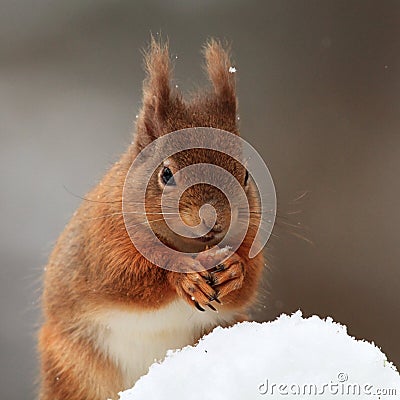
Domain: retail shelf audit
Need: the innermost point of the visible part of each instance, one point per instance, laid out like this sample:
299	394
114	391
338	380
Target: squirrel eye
246	178
167	177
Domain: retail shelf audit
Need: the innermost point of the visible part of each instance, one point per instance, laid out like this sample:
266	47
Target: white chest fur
134	340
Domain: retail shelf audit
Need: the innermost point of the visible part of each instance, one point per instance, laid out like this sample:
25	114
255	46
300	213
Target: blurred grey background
319	91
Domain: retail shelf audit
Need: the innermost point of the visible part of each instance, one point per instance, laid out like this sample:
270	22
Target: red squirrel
108	312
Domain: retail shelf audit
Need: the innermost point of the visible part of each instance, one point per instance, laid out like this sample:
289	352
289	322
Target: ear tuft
221	72
156	89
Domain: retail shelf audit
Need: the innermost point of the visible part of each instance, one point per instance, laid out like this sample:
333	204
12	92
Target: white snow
292	357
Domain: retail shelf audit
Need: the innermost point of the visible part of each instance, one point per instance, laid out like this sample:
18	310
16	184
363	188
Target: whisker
129	212
245	210
150	213
305	193
294	212
257	226
113	186
302	237
146	222
291	225
90	200
135	203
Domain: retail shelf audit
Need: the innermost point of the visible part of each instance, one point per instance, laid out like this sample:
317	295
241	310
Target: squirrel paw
228	276
195	287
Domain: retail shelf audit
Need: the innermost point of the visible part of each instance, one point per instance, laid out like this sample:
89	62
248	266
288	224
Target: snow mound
291	357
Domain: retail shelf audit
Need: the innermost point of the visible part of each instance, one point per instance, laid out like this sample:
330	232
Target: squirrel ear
156	89
221	73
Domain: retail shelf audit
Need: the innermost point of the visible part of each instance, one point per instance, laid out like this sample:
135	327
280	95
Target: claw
215	298
220	267
212	307
198	306
210	280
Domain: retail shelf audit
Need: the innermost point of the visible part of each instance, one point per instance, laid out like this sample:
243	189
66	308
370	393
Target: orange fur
95	267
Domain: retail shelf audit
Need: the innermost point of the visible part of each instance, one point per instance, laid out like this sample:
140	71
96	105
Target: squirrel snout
208	223
212	223
211	220
208	216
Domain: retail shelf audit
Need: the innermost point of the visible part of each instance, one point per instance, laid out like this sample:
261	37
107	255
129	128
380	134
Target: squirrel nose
208	215
207	223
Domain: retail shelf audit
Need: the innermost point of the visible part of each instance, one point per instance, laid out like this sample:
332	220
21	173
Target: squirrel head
163	111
